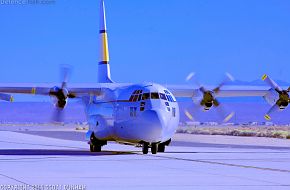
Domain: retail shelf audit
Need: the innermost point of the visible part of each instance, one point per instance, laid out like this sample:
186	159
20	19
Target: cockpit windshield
146	96
154	95
138	96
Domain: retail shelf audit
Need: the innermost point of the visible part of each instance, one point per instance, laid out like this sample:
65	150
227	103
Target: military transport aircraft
145	114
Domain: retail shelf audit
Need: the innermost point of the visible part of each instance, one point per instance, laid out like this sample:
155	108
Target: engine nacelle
59	97
100	126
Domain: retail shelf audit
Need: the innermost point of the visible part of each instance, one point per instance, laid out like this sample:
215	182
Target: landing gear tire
161	148
154	148
145	148
95	144
95	148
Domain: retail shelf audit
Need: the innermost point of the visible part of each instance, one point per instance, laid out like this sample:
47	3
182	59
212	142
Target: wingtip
264	77
267	117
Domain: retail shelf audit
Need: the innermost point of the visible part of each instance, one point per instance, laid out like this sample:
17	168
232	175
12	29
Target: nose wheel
154	148
95	147
95	144
145	148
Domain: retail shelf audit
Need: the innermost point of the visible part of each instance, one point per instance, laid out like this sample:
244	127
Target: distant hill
38	112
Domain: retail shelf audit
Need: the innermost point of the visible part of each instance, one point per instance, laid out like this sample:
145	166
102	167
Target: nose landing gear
95	144
145	148
154	148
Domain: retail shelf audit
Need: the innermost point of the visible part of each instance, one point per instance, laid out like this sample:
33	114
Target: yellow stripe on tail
104	48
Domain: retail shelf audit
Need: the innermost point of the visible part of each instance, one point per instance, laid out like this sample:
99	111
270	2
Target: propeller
283	99
61	94
209	99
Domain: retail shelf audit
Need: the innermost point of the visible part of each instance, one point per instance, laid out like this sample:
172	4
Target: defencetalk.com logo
27	2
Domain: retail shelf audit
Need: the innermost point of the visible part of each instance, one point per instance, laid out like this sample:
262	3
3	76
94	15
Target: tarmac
58	158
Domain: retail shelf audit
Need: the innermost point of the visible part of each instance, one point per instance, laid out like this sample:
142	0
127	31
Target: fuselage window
154	95
142	106
131	98
162	96
146	96
133	111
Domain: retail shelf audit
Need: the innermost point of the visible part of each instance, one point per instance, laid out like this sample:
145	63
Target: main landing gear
155	147
95	144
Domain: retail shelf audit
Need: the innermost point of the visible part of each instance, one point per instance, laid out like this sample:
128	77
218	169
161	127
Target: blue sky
149	40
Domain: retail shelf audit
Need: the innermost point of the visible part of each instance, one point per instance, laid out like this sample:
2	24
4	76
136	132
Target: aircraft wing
44	89
226	91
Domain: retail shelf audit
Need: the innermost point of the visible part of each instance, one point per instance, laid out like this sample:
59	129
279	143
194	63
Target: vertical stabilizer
104	73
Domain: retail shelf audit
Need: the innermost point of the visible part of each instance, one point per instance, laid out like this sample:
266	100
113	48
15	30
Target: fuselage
134	114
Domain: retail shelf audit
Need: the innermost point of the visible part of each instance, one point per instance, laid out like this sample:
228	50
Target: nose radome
156	117
153	127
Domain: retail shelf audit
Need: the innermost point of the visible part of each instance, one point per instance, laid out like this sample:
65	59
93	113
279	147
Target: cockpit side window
154	95
135	98
140	97
131	98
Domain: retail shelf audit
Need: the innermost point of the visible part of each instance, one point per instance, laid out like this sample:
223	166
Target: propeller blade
58	115
229	78
223	114
189	76
272	110
229	117
65	75
216	103
270	82
191	79
188	115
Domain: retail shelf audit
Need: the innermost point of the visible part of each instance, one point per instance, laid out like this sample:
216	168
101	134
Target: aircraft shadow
47	152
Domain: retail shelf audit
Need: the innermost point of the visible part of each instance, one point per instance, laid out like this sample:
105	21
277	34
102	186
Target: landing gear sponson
96	145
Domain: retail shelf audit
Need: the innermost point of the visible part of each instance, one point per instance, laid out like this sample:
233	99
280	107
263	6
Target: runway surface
60	159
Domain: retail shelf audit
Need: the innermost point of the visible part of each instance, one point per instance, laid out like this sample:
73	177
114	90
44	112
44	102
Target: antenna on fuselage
104	73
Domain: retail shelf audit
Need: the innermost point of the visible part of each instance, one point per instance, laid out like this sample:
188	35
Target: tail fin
104	73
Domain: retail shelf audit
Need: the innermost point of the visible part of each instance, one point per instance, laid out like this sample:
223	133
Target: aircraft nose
155	122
